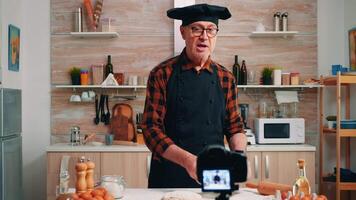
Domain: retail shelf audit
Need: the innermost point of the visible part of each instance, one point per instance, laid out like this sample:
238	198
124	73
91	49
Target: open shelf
344	185
343	132
344	79
273	33
100	87
279	86
94	34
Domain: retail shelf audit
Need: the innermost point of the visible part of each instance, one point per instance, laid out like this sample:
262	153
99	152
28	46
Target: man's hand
183	158
238	142
190	164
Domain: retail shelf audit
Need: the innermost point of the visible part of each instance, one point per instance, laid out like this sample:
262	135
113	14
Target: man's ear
182	32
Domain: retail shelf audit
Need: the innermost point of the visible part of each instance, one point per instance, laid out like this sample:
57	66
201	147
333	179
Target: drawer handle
256	167
148	165
267	167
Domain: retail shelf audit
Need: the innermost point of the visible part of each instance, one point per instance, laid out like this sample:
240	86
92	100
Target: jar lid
294	73
83	71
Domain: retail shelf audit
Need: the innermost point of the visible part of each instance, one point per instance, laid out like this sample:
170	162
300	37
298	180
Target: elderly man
191	102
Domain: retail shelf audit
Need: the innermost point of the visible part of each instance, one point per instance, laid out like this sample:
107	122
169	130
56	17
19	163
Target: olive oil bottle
301	185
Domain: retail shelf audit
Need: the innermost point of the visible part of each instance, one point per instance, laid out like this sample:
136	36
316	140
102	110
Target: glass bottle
236	70
243	73
109	67
301	185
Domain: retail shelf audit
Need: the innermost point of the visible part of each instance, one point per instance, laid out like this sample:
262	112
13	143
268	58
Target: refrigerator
11	186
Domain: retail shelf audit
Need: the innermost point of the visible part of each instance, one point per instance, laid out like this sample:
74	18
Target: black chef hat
199	12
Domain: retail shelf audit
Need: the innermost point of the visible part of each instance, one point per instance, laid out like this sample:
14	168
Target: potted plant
331	120
267	76
75	75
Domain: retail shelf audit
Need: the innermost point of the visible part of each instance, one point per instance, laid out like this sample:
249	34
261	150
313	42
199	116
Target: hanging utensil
107	120
102	112
96	119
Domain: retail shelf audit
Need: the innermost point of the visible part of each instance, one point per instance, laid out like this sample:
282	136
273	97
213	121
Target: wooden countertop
65	147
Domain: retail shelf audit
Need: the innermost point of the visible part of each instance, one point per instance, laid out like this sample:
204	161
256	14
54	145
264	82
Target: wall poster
14	48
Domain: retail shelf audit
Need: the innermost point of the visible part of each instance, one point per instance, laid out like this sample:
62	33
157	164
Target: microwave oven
280	130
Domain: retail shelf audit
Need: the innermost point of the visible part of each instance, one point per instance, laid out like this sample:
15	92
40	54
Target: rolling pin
269	188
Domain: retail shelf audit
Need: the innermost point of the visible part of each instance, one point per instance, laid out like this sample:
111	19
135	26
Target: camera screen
217	179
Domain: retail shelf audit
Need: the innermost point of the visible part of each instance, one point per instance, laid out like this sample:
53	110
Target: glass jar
294	78
115	185
263	109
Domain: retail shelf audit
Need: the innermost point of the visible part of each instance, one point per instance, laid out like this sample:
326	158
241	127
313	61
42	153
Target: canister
294	78
84	77
78	20
286	78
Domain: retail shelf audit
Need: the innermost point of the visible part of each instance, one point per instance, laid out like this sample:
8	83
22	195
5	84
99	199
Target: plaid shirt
155	106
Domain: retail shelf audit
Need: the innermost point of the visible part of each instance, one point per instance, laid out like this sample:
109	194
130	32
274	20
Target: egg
97	192
99	197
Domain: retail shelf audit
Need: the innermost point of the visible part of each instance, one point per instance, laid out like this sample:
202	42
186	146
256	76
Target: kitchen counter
65	147
157	194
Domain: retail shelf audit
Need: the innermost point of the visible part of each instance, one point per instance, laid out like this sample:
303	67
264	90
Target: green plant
331	118
74	71
267	72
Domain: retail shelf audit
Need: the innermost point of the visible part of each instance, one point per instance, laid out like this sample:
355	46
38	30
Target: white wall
335	18
36	96
33	18
11	13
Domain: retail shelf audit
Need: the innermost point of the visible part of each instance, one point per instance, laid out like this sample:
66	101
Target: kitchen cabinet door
133	166
54	165
254	166
281	167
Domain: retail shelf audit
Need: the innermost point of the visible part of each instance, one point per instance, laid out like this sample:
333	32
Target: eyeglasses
198	31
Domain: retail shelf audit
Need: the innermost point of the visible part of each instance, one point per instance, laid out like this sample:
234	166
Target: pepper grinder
285	21
81	184
90	175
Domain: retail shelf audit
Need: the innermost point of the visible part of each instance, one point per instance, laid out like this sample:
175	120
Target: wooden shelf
94	34
344	79
327	130
280	86
100	87
273	33
347	132
347	186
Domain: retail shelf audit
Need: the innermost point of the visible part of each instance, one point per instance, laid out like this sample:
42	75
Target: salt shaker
285	21
277	17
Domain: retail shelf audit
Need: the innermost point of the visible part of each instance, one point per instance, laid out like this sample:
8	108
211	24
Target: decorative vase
75	79
267	80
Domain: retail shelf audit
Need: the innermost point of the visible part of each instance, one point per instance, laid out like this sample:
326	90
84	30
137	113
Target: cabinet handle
256	167
267	167
148	165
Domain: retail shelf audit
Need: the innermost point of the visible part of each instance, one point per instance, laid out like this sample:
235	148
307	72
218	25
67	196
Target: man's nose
204	35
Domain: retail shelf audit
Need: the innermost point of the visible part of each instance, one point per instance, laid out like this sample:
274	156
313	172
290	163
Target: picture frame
14	48
352	48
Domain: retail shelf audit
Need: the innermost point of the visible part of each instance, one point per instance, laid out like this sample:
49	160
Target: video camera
219	169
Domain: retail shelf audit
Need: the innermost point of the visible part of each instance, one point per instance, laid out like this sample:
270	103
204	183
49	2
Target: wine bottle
243	74
108	67
236	70
301	185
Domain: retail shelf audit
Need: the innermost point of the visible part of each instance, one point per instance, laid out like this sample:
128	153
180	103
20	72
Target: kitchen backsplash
146	38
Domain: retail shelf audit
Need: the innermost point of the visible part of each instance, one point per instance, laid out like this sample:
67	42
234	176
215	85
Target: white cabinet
280	167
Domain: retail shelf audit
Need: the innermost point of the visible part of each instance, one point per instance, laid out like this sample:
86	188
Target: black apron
194	119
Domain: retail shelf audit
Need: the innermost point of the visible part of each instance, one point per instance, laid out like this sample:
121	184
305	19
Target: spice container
285	78
115	185
285	21
294	78
84	77
276	19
